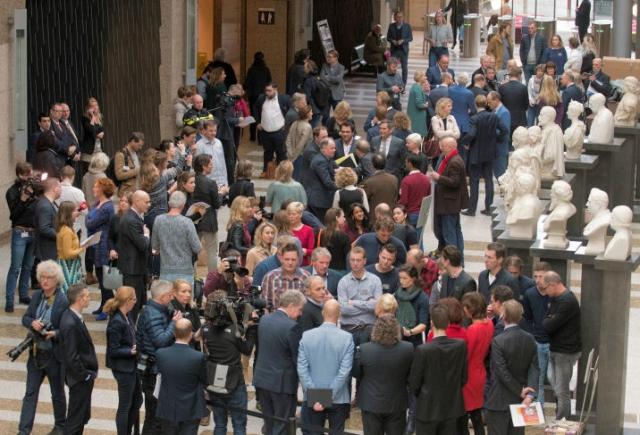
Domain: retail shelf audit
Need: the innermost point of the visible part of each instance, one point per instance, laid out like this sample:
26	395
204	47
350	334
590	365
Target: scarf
445	161
406	314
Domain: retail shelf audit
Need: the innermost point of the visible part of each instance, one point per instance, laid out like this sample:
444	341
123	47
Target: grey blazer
334	74
395	155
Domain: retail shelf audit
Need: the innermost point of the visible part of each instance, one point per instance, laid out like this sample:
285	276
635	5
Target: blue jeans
450	230
532	115
297	168
237	399
528	70
171	277
560	371
404	62
543	363
129	400
21	265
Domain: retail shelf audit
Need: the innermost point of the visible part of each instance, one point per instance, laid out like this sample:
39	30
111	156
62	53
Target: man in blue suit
325	358
399	36
320	260
531	48
463	107
322	184
434	74
494	102
275	376
44	124
347	142
571	92
181	402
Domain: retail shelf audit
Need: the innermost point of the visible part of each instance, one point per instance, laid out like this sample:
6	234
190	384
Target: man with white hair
155	329
176	240
463	104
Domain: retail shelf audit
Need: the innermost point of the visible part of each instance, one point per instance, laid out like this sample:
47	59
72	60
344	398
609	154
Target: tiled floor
361	94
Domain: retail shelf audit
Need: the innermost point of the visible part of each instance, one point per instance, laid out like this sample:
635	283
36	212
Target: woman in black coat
121	358
258	77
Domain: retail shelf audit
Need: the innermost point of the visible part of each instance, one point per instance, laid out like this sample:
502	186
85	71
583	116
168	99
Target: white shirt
215	150
384	145
71	193
490	278
272	119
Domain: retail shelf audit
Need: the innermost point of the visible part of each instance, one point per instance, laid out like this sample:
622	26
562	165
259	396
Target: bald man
325	357
133	246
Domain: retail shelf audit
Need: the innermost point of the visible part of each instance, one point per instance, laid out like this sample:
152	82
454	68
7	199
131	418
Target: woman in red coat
479	336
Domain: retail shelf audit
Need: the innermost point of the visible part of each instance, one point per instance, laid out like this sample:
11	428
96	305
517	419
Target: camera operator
42	318
224	348
21	201
229	277
156	325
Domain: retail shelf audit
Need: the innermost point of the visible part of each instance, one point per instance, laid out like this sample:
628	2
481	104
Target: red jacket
413	188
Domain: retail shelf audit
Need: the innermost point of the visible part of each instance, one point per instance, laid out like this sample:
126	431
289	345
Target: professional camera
234	267
33	187
238	311
32	337
226	101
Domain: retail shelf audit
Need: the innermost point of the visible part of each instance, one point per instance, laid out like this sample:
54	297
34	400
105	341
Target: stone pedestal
614	329
568	177
559	259
519	247
614	171
583	168
591	290
632	135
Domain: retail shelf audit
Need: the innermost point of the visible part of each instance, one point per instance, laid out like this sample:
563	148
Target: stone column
622	28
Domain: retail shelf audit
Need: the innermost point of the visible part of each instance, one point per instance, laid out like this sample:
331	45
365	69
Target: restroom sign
267	16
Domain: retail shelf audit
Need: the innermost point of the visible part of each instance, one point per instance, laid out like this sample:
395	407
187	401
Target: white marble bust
619	247
552	145
535	140
522	219
520	161
627	110
602	125
574	135
561	210
598	216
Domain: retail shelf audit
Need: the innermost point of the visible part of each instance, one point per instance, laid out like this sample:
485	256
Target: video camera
236	310
32	337
234	267
33	186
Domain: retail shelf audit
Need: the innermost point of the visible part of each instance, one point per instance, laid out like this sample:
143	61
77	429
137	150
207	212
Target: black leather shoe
486	212
468	213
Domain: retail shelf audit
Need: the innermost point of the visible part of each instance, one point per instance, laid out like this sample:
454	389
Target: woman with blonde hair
263	245
443	124
183	301
401	125
418	103
300	231
348	193
93	131
387	305
68	245
284	187
238	235
589	52
300	135
341	115
549	96
122	353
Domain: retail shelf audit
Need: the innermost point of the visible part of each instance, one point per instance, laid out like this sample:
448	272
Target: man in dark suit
310	151
67	144
270	123
571	92
45	217
347	143
495	274
583	18
463	102
514	367
381	187
456	282
322	184
438	373
485	131
133	248
434	74
80	364
450	195
364	157
46	307
44	124
441	90
320	259
275	376
382	367
532	46
597	80
515	98
494	102
399	35
207	191
181	402
392	148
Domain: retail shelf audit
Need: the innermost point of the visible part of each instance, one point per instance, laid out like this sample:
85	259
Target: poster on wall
325	36
267	16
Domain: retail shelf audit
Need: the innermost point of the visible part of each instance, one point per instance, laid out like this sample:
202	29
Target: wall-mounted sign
267	16
325	36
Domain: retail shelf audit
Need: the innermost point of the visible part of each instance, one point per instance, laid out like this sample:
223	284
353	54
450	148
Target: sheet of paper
246	121
522	415
93	240
196	206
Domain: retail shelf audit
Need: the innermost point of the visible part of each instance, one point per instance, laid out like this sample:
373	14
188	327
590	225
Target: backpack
111	169
322	93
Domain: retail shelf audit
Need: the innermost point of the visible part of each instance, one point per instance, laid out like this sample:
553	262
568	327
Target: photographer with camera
225	343
42	319
230	276
21	201
156	325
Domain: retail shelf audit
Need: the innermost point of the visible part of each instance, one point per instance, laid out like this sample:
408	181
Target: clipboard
324	396
423	215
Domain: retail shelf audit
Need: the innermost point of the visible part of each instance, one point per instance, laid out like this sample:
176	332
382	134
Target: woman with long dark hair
335	239
357	222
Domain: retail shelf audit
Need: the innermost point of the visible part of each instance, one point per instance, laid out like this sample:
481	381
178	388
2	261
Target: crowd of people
331	259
